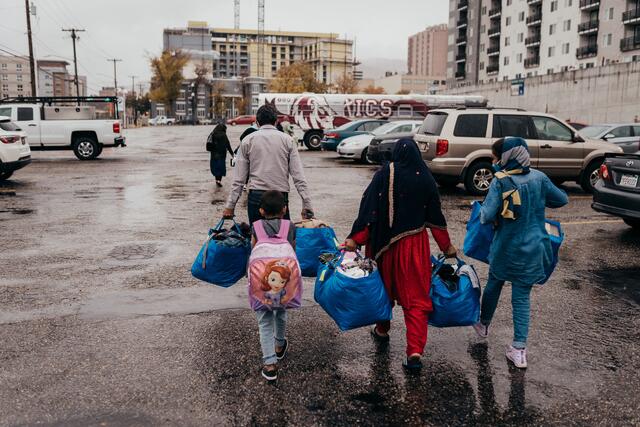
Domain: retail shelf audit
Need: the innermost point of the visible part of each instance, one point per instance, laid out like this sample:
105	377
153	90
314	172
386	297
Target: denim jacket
521	247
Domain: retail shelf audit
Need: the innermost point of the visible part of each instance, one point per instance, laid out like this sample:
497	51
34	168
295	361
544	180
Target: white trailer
315	112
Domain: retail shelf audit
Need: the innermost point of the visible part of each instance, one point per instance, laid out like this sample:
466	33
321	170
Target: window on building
5	77
19	67
482	65
19	77
549	70
566	25
512	125
552	29
606	39
483	10
554	5
481	47
3	66
610	14
565	48
506	60
552	51
471	126
509	2
519	58
482	29
521	17
508	21
551	129
520	37
568	3
507	41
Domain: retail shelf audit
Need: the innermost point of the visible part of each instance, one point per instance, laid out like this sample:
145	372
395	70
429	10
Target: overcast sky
132	29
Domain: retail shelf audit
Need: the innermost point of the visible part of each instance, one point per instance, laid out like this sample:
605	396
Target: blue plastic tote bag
477	241
455	299
310	244
352	302
222	261
556	236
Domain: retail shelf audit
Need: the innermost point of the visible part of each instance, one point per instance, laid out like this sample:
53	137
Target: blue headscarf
514	160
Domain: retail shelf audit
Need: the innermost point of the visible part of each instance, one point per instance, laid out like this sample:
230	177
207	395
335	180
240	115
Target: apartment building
410	83
427	52
15	77
239	53
54	79
492	40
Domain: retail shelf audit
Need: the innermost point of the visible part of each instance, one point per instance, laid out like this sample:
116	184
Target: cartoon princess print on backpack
277	275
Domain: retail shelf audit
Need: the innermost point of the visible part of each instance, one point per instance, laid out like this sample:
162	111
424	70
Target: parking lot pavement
101	322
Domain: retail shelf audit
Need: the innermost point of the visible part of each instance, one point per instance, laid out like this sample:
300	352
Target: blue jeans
272	325
520	303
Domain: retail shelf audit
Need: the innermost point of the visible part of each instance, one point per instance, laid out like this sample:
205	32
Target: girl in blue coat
521	248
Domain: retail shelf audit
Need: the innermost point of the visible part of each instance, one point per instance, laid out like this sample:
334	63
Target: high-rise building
492	40
427	53
54	79
15	77
242	53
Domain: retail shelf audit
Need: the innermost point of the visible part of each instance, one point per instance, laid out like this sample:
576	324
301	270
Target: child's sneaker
518	356
283	351
412	364
382	339
481	330
270	372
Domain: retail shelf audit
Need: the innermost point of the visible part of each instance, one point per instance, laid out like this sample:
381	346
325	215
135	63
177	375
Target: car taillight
9	139
331	135
604	173
116	127
442	147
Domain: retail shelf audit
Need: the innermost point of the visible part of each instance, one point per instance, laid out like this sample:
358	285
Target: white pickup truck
162	120
65	128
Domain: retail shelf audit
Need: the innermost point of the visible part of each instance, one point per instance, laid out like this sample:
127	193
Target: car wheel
364	158
100	147
313	140
5	175
590	176
478	178
635	223
86	148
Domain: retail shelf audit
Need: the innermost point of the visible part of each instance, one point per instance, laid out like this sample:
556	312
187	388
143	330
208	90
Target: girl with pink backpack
275	279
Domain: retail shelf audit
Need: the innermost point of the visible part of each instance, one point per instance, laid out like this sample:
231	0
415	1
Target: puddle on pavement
621	281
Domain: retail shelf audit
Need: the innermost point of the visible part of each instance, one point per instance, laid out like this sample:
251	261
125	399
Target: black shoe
412	364
282	353
382	339
270	374
218	183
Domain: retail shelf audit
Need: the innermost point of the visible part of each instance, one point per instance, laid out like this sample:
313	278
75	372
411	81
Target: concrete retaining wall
595	95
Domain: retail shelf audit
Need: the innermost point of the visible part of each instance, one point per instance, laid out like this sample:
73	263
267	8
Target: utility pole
115	83
73	32
32	64
135	100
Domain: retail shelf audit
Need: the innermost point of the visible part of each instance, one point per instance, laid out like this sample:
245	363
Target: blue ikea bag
477	241
351	302
455	302
310	244
221	262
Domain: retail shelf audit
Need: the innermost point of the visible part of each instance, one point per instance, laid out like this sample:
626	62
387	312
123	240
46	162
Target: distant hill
376	67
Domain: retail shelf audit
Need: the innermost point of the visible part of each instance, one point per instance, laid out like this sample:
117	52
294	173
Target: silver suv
456	144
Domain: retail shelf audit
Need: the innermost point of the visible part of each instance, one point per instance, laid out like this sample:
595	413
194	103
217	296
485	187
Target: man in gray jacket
267	158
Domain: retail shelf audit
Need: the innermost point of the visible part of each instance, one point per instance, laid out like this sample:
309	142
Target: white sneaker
481	330
517	356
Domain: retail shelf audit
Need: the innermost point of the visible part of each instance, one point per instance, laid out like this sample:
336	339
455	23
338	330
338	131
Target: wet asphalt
101	322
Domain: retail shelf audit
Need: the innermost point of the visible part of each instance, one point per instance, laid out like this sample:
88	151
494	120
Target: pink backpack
275	280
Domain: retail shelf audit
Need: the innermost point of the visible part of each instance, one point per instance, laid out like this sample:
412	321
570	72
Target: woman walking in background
521	248
401	202
218	144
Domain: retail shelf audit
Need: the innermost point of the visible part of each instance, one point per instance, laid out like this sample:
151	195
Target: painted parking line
609	221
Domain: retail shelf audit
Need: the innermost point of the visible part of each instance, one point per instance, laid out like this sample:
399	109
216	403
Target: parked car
14	150
381	146
456	144
241	120
333	137
64	128
356	147
162	120
577	125
618	190
625	136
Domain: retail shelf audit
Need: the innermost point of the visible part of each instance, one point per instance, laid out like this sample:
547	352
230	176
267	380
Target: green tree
296	78
167	77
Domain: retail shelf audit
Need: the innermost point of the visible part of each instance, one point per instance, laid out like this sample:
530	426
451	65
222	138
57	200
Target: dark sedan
333	137
617	192
381	146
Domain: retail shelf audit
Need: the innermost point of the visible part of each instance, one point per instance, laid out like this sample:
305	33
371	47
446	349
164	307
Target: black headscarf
402	199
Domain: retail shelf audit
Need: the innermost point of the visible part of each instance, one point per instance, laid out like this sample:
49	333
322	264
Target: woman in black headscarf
218	144
401	202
